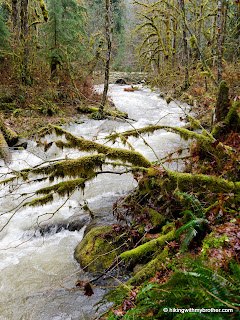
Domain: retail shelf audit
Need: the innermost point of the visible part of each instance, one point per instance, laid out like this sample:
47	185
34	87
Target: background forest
180	238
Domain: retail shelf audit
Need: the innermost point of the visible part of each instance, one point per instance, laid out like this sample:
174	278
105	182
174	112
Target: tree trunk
219	38
15	15
186	81
24	39
109	33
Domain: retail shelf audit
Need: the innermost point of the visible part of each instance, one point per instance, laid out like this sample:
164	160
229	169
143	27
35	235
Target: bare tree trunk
219	38
186	81
109	33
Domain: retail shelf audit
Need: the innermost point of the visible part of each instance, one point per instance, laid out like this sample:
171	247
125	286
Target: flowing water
37	268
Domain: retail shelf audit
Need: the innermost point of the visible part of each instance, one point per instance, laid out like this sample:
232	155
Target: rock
120	81
21	145
94	252
76	224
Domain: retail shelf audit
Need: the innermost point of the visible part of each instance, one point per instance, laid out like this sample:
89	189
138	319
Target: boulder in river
120	81
95	253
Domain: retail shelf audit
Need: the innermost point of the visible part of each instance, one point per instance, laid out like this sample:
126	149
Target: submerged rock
75	224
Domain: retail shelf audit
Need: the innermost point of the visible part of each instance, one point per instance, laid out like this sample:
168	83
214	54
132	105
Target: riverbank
170	217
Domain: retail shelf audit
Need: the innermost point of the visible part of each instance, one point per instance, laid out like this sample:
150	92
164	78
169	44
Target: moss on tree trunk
223	102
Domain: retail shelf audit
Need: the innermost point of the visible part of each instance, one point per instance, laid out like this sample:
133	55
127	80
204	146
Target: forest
120	159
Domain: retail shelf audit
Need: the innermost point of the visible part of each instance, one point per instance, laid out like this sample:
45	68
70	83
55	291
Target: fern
196	223
194	202
199	287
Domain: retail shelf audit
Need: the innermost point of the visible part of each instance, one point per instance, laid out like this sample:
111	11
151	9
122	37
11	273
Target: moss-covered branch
83	167
149	270
86	145
148	248
186	134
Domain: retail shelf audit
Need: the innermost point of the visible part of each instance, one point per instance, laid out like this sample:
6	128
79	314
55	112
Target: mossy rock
94	253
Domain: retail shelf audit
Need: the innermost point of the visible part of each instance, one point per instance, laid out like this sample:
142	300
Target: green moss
231	122
147	248
10	135
112	153
232	119
94	253
44	10
168	99
7	106
63	188
204	141
94	111
223	101
82	167
186	181
4	149
212	241
156	219
40	201
150	269
187	98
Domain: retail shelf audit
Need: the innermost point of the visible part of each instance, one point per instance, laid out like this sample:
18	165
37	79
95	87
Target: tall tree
64	32
185	45
4	34
220	38
109	34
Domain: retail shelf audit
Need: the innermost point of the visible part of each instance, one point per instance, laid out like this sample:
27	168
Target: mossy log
10	135
157	219
94	253
185	182
149	270
148	248
4	149
110	113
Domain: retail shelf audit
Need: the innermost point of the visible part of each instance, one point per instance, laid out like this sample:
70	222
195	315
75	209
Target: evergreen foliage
65	32
4	32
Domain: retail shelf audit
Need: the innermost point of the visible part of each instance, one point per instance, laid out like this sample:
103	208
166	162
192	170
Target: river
38	270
